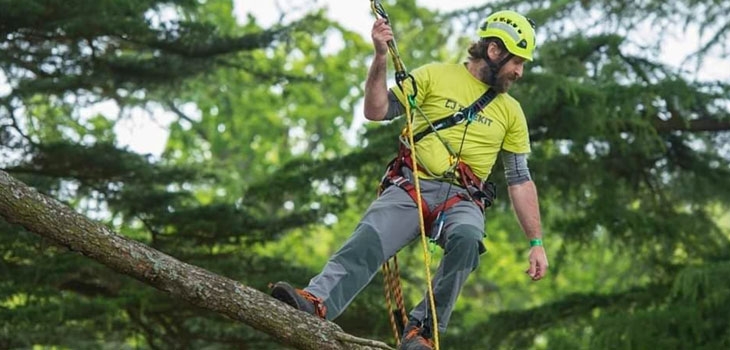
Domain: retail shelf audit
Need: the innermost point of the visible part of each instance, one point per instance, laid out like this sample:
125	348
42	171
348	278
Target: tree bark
45	216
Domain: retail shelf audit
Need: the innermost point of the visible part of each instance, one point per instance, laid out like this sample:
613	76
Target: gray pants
388	225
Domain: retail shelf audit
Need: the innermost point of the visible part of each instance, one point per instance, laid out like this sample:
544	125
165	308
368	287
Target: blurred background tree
264	173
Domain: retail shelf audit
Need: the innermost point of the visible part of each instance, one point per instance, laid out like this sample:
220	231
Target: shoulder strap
465	114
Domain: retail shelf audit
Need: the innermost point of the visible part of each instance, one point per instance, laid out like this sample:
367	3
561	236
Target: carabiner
378	10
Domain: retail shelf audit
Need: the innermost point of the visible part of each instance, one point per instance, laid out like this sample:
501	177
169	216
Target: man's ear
494	52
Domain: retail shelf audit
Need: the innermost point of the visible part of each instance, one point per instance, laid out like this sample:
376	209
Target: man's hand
538	263
381	34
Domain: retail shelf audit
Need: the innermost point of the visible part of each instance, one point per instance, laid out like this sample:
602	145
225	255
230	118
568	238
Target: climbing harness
480	192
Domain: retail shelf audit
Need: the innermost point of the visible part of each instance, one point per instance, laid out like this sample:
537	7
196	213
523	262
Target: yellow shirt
444	89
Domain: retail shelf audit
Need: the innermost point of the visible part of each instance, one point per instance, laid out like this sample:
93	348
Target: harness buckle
486	194
458	117
398	180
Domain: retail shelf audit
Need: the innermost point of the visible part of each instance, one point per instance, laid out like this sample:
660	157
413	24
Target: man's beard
503	81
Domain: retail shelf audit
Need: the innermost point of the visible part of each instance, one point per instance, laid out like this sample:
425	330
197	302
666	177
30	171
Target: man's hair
478	50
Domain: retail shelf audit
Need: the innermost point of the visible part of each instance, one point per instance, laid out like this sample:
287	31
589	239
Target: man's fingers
538	264
538	267
385	33
382	32
532	269
540	270
381	25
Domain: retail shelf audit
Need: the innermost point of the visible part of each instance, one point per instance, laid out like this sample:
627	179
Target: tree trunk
45	216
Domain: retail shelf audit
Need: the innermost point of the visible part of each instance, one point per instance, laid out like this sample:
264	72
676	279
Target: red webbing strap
407	186
395	177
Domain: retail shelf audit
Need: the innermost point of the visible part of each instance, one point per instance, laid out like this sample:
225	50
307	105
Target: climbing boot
299	299
416	339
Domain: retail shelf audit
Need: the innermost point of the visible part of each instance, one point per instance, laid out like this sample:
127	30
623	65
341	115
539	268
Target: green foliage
688	320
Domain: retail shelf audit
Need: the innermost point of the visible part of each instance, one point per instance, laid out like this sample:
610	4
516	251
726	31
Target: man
496	60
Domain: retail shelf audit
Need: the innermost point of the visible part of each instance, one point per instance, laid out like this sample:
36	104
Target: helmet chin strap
495	67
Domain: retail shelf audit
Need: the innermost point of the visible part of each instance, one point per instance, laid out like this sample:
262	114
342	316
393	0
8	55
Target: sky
141	135
355	15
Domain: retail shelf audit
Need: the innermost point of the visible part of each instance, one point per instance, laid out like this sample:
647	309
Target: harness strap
429	216
408	186
482	194
459	117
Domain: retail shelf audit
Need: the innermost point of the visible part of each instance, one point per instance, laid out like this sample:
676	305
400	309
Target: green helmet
516	31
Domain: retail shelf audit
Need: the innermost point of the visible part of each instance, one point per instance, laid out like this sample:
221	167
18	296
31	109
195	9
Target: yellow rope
421	221
400	77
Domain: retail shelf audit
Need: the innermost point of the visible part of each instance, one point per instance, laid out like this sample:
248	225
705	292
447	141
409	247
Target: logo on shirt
451	104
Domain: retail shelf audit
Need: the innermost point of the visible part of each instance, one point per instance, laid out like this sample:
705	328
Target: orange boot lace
319	308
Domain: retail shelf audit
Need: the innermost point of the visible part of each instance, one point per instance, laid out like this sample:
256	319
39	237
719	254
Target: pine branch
521	324
696	125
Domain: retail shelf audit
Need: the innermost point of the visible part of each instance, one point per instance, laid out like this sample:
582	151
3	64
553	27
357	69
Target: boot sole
284	292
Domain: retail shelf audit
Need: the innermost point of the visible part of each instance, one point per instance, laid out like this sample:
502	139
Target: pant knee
466	235
465	243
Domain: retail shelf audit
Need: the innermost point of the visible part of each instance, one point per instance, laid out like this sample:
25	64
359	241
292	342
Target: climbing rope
400	76
391	275
424	238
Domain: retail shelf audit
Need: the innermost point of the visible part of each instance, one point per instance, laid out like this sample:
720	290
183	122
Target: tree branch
696	125
45	216
181	115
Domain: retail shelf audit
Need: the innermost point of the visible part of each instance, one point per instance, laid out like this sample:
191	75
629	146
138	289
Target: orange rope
388	277
398	291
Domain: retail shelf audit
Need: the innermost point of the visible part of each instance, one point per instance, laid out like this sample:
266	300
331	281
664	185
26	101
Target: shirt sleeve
515	168
517	139
395	107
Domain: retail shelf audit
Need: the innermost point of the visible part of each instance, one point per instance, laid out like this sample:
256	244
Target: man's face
508	74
